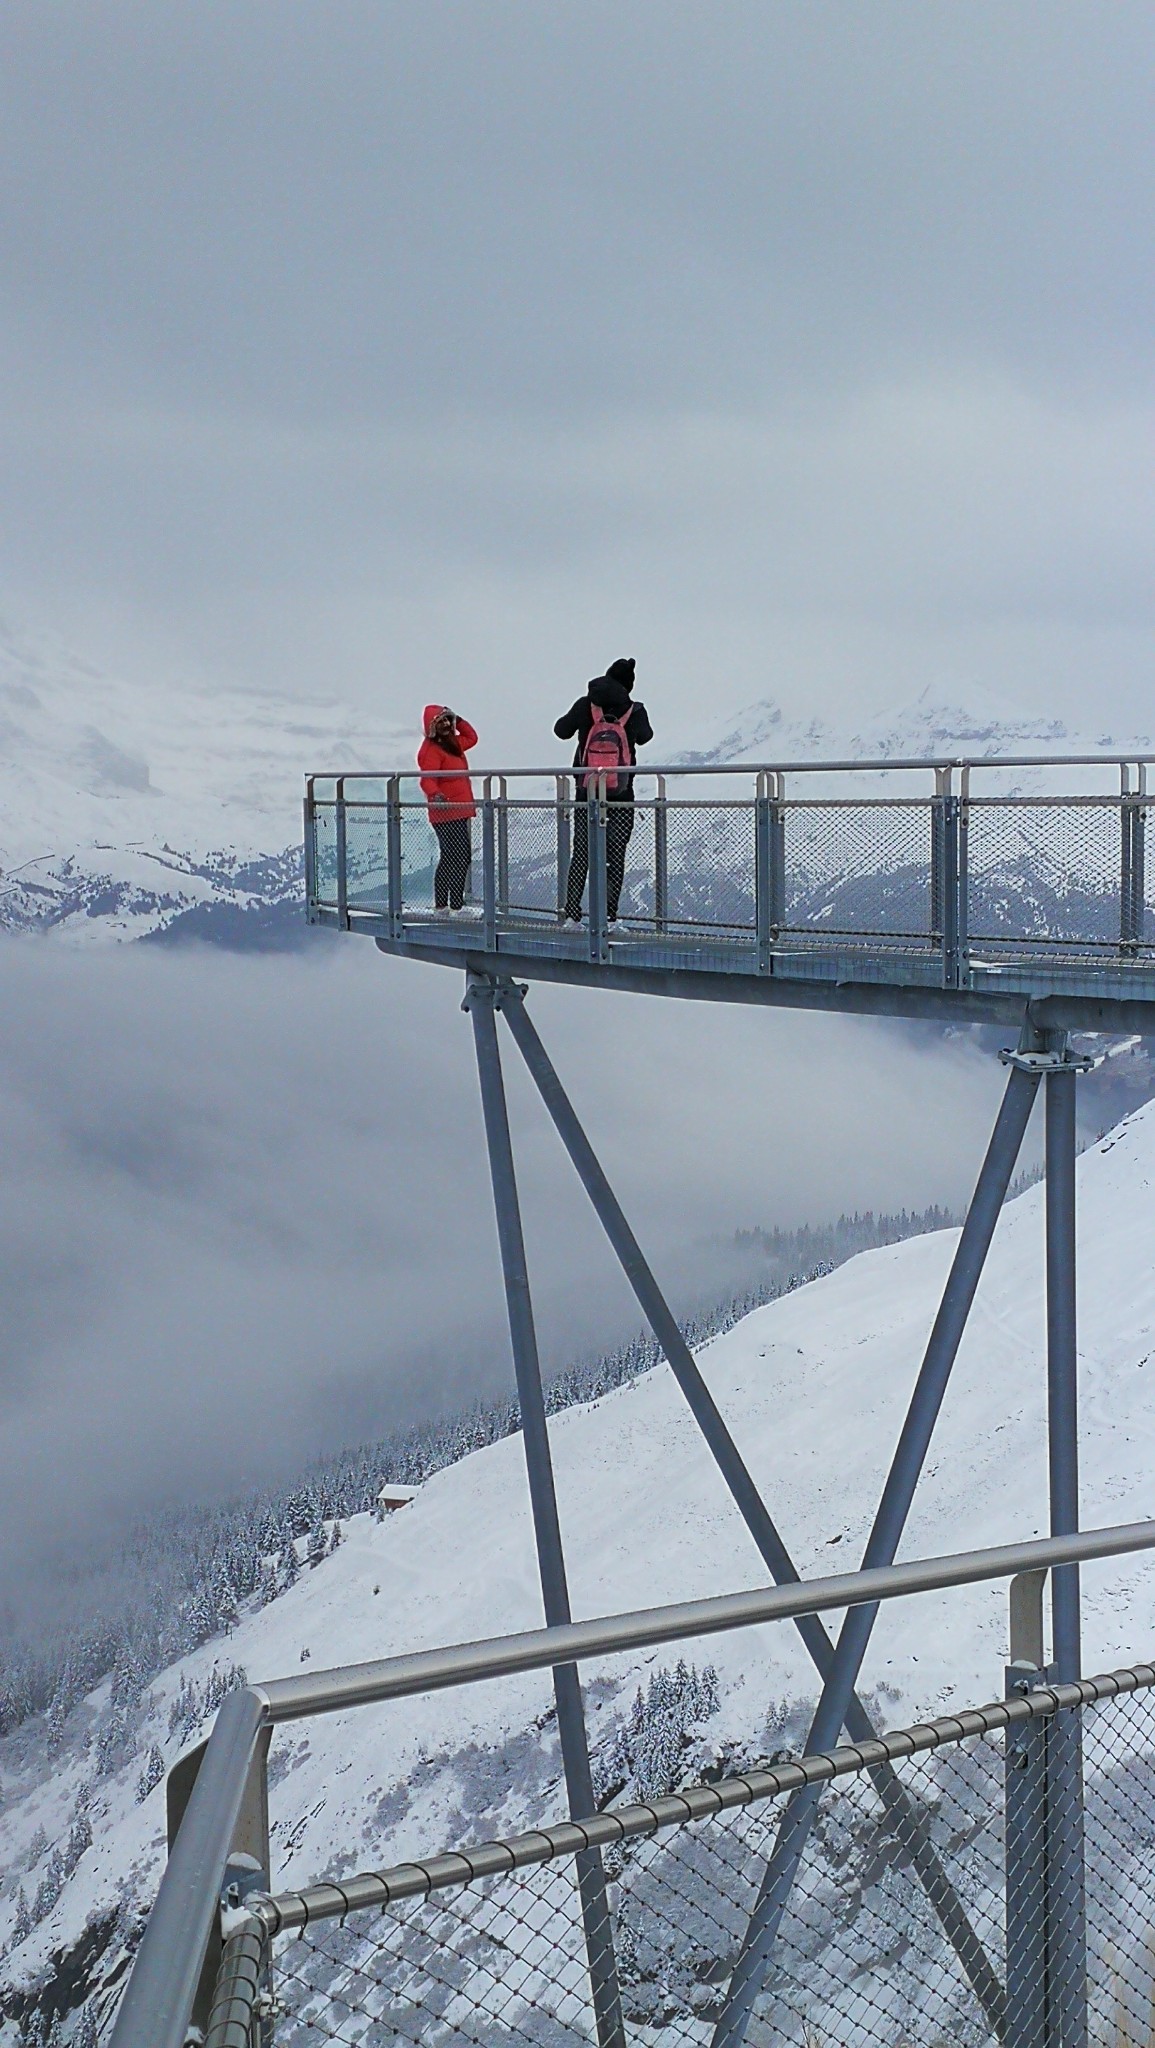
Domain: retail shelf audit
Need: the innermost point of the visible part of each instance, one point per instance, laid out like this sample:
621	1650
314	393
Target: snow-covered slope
814	1387
120	808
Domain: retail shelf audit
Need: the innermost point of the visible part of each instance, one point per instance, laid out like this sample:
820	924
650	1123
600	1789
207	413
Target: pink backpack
607	750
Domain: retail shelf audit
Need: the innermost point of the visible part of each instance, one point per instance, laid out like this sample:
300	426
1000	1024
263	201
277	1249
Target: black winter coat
612	700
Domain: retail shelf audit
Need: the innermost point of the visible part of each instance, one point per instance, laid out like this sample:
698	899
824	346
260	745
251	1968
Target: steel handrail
159	1996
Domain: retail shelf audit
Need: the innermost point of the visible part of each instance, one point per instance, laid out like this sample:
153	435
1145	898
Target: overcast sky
796	348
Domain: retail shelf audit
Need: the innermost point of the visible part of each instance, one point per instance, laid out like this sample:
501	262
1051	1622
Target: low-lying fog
245	1212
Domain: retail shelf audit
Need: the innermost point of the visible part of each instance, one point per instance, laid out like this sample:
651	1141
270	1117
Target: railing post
395	876
596	813
564	841
945	875
1133	880
488	871
1025	1828
342	876
310	826
502	846
763	885
661	859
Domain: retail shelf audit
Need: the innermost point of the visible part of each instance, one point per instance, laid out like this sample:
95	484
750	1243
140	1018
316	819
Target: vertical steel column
547	1528
763	885
889	1522
1066	1900
310	844
901	1813
502	847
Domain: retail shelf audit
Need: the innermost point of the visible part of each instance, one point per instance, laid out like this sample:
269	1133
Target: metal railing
485	1944
218	1802
933	870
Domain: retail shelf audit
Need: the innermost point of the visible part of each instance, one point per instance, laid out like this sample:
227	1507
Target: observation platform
968	890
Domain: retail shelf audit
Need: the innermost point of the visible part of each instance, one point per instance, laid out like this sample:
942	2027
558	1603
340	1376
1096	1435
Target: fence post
502	846
342	876
1025	1829
596	840
945	875
763	862
310	850
393	856
564	841
488	871
1133	889
661	858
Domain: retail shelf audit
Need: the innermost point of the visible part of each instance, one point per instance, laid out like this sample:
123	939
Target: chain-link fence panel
990	1886
324	828
1045	873
854	870
710	866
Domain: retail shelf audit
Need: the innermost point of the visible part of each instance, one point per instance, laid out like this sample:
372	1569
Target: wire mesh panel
711	865
366	847
901	1927
859	868
1047	873
532	834
324	826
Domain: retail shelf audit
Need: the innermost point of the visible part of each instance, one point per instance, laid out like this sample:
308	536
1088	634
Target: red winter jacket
449	796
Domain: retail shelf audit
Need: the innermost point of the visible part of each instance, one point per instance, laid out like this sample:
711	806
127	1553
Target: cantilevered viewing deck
915	888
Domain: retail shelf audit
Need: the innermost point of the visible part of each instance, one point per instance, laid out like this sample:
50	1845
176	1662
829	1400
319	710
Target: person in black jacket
613	695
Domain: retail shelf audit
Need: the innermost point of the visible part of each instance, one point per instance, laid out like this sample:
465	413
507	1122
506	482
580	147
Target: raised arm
569	723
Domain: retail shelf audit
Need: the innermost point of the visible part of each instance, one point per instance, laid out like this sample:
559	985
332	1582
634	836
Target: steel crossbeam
904	1820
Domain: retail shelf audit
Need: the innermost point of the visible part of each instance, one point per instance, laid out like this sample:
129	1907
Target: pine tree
316	1547
84	2033
336	1538
22	1926
151	1775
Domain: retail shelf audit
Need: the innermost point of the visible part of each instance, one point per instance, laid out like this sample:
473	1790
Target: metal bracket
1027	1619
1065	1062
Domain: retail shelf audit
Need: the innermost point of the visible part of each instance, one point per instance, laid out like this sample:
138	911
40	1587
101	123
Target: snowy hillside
122	808
814	1387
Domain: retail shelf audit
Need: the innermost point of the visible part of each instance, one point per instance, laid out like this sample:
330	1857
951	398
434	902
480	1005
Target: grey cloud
245	1212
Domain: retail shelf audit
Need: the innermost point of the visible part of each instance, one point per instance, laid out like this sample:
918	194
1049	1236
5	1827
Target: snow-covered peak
928	727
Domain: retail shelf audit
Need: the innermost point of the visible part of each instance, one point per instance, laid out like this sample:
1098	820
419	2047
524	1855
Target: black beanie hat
622	672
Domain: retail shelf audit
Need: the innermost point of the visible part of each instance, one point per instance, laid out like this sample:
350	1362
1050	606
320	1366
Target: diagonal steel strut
970	1256
900	1810
571	1726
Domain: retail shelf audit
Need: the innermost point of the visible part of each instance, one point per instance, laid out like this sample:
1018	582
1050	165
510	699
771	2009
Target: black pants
455	859
619	825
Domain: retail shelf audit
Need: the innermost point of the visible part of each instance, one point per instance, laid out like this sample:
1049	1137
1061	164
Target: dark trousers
619	825
451	874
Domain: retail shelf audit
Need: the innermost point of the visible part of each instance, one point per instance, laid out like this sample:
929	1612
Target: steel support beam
900	1811
543	1499
1067	2012
966	1268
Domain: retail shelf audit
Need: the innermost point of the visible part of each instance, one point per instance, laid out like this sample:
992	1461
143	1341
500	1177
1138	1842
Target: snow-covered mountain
929	727
127	811
814	1387
123	809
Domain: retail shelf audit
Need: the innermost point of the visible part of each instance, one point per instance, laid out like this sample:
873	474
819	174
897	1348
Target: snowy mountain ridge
128	812
814	1387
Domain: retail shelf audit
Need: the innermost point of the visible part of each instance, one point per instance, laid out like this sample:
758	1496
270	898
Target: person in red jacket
448	793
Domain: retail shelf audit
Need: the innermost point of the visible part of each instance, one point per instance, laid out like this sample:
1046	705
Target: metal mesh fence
1044	872
1032	877
946	1914
859	868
